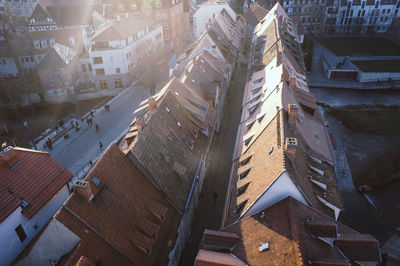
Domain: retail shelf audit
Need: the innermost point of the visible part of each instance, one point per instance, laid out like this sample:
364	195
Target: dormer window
244	174
245	161
247	141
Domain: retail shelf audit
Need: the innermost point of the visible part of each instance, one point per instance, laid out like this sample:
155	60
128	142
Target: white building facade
113	61
17	231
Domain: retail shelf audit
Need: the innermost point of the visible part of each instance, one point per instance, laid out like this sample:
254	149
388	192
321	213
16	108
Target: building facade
116	50
341	16
36	187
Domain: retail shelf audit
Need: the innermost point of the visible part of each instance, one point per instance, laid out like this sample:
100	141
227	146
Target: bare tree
148	67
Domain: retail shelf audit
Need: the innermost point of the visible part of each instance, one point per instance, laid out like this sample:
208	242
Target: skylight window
179	124
167	109
176	93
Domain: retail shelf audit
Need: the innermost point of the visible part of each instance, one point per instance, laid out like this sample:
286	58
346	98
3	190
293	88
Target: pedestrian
101	145
90	162
91	113
87	121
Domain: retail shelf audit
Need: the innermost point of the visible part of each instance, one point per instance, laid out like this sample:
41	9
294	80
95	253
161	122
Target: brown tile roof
169	135
261	157
204	73
127	221
255	13
284	226
211	258
36	179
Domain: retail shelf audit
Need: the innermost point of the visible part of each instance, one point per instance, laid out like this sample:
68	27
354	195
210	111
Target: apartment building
117	48
341	16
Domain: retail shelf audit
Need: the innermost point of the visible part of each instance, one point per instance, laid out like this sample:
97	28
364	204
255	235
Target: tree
148	66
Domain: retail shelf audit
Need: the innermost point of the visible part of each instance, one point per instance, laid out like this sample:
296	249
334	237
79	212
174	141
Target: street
82	146
212	199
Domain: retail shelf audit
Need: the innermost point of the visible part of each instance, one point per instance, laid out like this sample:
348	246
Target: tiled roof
261	157
119	30
169	136
204	74
285	227
127	221
255	13
35	180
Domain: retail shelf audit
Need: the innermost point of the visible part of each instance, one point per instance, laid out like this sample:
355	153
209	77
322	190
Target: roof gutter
196	177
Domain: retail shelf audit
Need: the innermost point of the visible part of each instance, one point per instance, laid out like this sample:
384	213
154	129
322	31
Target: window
97	60
52	42
37	44
133	6
21	233
100	72
44	43
118	70
120	7
31	59
49	72
165	16
90	67
244	174
158	16
118	83
103	85
158	4
83	67
51	82
22	60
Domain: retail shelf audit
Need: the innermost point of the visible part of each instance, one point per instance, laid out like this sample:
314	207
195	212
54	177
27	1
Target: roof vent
263	247
95	180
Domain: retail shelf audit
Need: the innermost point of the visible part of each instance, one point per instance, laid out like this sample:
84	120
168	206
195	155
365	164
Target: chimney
139	124
152	104
293	110
9	156
83	188
291	148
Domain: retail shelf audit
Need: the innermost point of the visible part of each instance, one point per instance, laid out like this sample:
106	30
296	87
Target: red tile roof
127	221
36	180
